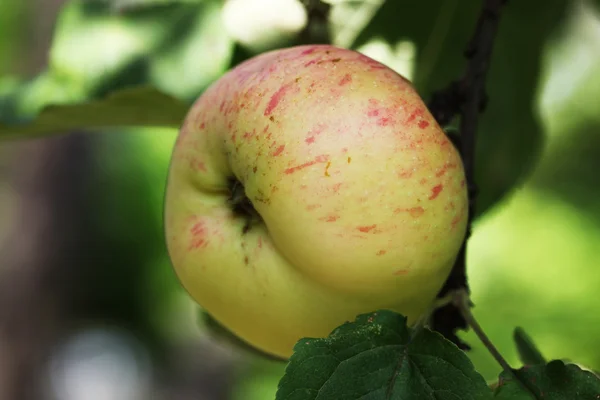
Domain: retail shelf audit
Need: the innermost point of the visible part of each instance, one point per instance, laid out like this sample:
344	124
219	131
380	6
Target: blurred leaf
197	56
510	136
137	106
21	101
134	5
11	33
97	52
528	352
552	381
379	357
92	42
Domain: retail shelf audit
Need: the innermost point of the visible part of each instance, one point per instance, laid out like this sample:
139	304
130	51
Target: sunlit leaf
137	106
189	62
92	41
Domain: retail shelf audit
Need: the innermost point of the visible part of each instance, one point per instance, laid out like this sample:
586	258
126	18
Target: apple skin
361	194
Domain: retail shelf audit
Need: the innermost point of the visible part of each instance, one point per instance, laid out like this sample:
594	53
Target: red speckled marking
276	98
366	228
259	242
416	113
249	135
401	272
405	174
279	150
311	62
383	114
435	191
458	218
345	80
198	232
308	51
445	169
319	159
370	62
313	133
201	166
336	187
414	212
384	121
380	252
462	183
330	218
423	124
203	125
311	207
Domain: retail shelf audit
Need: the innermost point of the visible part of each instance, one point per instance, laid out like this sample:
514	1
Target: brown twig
466	98
316	30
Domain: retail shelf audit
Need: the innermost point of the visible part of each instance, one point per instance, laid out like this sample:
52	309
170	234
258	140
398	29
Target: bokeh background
89	306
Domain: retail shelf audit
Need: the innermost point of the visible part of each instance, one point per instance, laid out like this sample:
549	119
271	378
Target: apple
308	185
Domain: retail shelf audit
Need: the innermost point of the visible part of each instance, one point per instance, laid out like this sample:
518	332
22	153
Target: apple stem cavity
241	205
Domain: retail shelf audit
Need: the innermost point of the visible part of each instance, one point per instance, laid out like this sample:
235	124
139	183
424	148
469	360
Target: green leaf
553	381
510	135
379	357
528	352
135	106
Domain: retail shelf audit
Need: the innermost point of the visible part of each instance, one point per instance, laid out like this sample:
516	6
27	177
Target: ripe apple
308	185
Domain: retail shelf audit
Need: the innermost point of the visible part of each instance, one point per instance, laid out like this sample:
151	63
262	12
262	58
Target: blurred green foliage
533	258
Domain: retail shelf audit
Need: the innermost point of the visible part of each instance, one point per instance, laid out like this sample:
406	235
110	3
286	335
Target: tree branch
466	98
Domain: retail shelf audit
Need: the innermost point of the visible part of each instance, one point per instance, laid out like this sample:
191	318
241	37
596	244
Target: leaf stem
462	302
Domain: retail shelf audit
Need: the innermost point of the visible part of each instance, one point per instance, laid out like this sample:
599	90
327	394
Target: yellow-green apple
308	185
